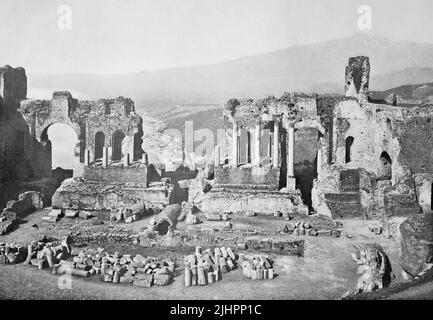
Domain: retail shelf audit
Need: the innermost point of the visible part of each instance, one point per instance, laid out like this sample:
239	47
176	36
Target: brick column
291	182
105	157
217	155
257	138
235	140
275	147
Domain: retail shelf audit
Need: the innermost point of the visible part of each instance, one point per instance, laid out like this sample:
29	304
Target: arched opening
61	142
99	145
306	146
385	168
349	143
118	137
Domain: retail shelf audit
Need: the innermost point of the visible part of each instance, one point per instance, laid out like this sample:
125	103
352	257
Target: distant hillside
309	68
415	93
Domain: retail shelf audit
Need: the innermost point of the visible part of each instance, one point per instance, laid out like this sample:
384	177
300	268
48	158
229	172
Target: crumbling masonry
373	158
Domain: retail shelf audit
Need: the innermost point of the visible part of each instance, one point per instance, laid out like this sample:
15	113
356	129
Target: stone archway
62	147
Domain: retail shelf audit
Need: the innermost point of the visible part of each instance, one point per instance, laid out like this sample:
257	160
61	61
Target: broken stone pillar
126	160
357	77
291	182
235	142
257	136
275	147
105	157
87	157
217	156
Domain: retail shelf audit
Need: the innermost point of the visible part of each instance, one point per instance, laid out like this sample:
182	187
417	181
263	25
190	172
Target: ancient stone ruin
372	161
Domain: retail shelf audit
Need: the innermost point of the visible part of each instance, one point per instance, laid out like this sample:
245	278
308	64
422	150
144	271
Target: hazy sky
110	36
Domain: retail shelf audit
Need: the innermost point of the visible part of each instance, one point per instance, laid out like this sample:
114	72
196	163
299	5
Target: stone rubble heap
11	253
203	267
47	252
302	228
257	267
117	268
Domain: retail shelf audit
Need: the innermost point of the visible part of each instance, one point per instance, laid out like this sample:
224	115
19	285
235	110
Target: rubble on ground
257	267
11	253
302	228
207	267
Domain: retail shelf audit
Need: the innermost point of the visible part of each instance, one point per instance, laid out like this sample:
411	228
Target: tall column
319	161
275	147
235	139
217	155
105	156
291	182
257	138
126	159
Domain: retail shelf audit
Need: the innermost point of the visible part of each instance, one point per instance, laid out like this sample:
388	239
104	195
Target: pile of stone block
205	267
56	214
257	267
48	252
11	253
302	228
128	214
117	268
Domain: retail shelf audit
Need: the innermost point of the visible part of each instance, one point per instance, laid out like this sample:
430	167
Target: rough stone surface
416	243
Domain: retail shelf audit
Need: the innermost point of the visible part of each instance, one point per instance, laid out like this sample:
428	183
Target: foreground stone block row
117	268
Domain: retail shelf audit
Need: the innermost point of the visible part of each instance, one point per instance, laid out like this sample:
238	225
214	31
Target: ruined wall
87	118
267	176
116	174
17	151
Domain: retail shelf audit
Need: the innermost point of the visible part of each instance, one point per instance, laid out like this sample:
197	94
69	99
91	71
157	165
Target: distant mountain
309	68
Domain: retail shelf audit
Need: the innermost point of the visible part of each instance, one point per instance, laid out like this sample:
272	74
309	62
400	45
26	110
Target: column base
291	183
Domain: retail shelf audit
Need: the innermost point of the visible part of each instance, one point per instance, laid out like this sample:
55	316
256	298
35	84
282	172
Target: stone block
69	213
213	217
143	280
161	279
57	213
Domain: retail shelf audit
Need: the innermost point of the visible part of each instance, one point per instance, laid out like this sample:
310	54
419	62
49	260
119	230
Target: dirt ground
325	271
